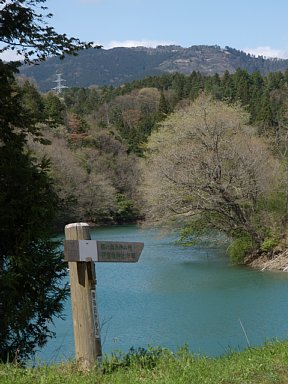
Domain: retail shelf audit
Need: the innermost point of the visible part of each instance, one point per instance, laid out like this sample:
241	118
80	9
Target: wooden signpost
104	251
81	253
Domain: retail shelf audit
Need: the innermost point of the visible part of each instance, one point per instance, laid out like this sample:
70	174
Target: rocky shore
265	262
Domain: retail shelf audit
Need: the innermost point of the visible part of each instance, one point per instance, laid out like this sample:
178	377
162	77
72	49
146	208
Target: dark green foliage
178	85
126	212
265	113
53	109
31	271
242	86
240	247
227	87
197	232
12	114
31	268
84	101
268	244
163	108
32	101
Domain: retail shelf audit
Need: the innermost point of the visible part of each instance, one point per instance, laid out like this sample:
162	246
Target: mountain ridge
116	66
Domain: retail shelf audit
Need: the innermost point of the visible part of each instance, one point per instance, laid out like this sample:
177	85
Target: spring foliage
206	168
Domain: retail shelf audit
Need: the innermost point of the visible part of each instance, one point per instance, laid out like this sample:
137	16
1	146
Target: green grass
268	364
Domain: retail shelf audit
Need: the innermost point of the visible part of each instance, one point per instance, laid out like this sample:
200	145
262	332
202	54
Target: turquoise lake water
175	296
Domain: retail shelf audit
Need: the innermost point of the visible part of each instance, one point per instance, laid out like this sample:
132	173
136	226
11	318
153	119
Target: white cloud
136	43
268	52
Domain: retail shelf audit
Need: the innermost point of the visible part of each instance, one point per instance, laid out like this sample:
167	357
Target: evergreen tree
265	116
53	109
196	81
242	83
257	89
32	101
163	108
227	87
178	87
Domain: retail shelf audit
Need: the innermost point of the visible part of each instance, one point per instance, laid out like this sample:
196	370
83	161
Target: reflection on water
175	296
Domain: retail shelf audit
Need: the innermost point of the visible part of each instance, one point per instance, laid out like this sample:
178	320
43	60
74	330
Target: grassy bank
268	364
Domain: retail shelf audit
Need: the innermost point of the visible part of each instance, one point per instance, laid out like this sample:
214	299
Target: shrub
239	248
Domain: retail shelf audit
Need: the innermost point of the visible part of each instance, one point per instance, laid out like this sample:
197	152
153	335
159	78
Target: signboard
102	251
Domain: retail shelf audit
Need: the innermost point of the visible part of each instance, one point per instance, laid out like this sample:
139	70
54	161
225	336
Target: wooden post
83	292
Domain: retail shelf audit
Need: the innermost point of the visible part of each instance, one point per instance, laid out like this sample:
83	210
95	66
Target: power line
59	83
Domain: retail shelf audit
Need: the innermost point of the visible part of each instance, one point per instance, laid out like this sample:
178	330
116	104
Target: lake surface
175	296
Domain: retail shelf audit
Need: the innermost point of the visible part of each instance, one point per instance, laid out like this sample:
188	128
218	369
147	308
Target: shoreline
266	262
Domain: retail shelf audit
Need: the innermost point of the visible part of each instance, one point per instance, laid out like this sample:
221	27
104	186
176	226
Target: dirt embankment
265	262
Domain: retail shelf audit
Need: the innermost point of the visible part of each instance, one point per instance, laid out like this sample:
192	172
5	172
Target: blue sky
255	26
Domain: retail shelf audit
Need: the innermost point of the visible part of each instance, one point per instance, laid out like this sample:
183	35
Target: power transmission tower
59	83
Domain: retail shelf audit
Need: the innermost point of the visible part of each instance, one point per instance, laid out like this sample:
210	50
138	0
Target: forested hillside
100	136
122	65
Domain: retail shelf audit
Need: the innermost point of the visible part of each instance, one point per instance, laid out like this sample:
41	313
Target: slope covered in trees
133	111
103	133
98	136
119	66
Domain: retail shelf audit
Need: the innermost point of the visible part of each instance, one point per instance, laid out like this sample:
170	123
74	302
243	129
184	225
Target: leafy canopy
31	267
